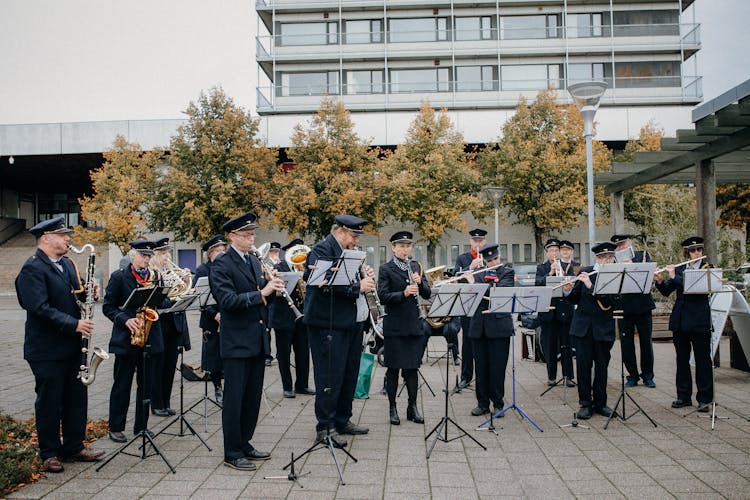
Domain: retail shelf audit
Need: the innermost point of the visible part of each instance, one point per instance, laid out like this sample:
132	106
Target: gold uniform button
260	321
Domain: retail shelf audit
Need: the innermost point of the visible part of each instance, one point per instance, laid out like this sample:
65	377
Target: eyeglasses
695	249
244	234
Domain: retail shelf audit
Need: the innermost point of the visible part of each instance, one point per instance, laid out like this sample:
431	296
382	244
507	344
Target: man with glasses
335	336
690	323
242	291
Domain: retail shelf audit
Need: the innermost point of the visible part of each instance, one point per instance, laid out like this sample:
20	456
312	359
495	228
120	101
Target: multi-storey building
382	57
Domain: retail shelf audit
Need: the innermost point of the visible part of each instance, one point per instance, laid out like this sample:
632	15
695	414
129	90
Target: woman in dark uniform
399	281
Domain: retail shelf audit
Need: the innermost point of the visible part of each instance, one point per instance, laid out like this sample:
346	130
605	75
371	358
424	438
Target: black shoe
479	411
570	383
681	403
413	414
240	464
118	437
703	407
268	361
463	384
394	415
289	394
159	412
337	440
584	413
171	411
551	382
258	455
306	391
353	429
604	411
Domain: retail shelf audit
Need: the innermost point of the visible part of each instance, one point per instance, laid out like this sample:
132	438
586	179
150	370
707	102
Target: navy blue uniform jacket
244	314
594	312
563	309
638	303
402	313
492	326
341	300
121	284
691	312
463	261
52	312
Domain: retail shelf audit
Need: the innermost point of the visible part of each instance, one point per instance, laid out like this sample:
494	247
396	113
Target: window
326	82
585	72
364	82
646	22
525	27
371	256
420	80
527	252
516	252
454	253
425	29
443	255
473	28
383	256
530	77
503	252
308	33
364	31
476	78
419	253
584	25
648	74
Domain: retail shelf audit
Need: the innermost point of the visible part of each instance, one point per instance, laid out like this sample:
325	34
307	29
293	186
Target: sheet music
318	275
624	255
520	299
553	281
181	305
702	281
349	264
456	299
290	279
202	288
624	278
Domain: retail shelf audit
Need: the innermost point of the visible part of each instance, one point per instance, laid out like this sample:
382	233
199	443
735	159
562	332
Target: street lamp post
586	96
496	192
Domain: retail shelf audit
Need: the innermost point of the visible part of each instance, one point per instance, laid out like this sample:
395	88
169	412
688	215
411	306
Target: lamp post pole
586	96
496	192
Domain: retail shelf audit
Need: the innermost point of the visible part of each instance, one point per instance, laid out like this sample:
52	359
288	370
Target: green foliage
434	181
541	159
19	458
733	201
335	172
123	190
217	169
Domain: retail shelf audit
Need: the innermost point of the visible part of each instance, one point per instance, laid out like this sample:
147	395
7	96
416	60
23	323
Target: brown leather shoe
86	455
53	464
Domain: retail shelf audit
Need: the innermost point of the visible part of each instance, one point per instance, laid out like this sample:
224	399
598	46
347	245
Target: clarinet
411	282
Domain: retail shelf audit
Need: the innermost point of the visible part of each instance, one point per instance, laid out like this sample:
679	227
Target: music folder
203	290
146	297
519	299
290	278
341	271
183	304
553	282
702	281
456	299
624	278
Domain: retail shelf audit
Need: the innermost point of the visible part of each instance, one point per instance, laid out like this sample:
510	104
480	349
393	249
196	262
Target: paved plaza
680	458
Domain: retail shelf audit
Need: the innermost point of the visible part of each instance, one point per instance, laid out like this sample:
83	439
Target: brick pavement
680	458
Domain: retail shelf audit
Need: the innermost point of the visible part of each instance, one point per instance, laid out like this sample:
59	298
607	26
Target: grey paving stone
654	492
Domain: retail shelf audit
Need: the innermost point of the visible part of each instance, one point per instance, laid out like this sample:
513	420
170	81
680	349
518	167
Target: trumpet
557	267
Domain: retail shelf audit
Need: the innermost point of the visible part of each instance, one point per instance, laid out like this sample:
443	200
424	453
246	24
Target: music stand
618	279
141	298
517	300
339	271
453	300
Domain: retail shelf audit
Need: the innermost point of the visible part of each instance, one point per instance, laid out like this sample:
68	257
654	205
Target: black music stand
339	271
554	283
453	300
203	291
517	300
618	279
141	298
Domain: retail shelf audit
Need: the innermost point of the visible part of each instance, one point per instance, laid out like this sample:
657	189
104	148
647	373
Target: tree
541	159
334	171
434	181
734	202
217	169
117	212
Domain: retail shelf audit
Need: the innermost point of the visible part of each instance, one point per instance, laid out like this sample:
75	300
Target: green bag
366	362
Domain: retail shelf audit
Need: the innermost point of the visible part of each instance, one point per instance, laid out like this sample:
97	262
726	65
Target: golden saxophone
147	317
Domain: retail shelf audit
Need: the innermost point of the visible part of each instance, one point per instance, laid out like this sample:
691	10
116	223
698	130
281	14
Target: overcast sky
90	60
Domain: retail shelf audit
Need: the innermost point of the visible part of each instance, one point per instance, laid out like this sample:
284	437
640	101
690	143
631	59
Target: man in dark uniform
556	323
491	335
48	288
335	336
399	282
592	333
129	359
242	291
210	316
290	333
176	334
690	322
467	262
636	309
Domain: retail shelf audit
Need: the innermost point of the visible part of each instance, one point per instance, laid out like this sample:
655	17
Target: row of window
435	29
478	78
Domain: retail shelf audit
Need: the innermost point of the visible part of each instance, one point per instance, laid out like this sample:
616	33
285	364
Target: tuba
147	317
434	275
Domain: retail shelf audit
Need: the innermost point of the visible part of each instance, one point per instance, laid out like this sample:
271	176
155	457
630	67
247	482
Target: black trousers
335	355
61	403
556	340
644	324
296	339
243	389
119	398
701	346
391	384
165	365
467	351
491	357
596	353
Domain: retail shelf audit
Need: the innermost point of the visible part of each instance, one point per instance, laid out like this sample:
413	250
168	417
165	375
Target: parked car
525	273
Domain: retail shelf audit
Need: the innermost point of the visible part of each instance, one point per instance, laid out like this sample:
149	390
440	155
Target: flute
568	282
662	269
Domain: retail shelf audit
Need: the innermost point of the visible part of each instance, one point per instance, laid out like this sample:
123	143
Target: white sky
91	60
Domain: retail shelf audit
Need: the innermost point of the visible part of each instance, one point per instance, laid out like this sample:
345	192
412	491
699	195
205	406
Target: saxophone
147	317
87	370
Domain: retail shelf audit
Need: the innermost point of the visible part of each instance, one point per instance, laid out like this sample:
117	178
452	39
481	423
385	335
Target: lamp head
587	94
